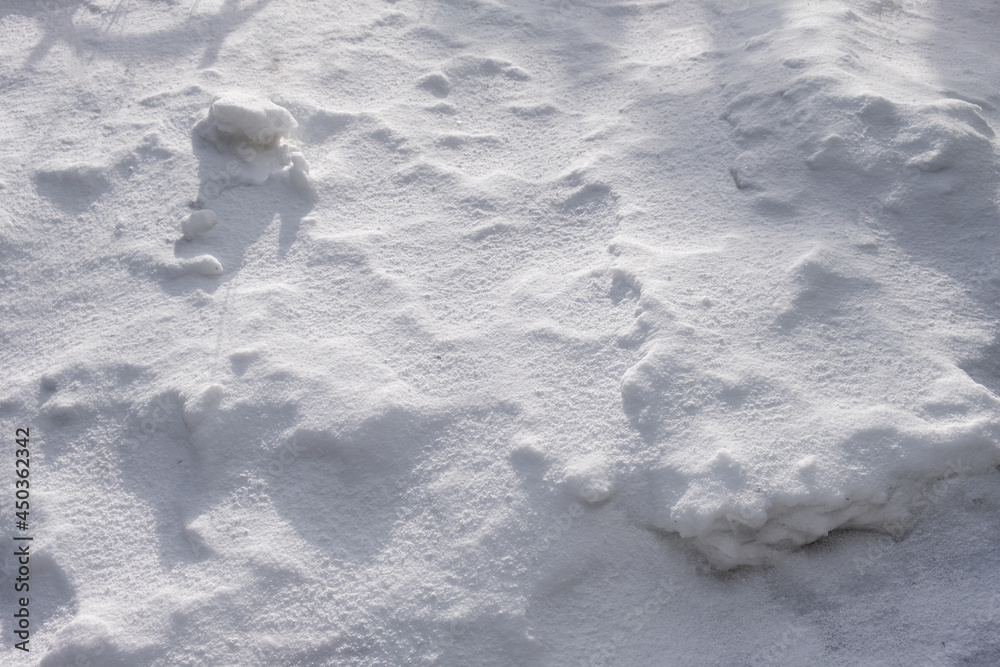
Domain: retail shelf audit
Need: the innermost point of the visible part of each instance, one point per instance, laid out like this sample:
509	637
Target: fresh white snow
198	222
503	332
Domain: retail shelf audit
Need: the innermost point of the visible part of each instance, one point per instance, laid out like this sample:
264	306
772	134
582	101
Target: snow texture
577	332
250	133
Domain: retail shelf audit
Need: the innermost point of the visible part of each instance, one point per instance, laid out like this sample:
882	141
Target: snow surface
504	332
198	222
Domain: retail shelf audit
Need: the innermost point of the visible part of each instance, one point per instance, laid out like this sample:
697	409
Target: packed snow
502	332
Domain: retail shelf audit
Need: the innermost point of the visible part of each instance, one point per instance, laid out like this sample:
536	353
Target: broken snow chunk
298	171
203	265
249	133
235	117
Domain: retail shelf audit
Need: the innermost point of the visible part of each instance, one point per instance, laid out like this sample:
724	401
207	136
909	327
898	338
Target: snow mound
86	640
202	265
249	134
781	416
591	479
235	118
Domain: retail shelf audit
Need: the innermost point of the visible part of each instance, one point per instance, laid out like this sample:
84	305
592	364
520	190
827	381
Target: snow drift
823	387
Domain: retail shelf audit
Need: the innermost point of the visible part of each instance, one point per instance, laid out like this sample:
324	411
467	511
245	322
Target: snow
198	223
203	265
249	132
550	333
240	117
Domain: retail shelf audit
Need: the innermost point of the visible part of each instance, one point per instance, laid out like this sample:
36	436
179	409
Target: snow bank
835	399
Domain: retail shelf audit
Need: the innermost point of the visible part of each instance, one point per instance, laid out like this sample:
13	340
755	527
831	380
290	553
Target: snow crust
504	332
